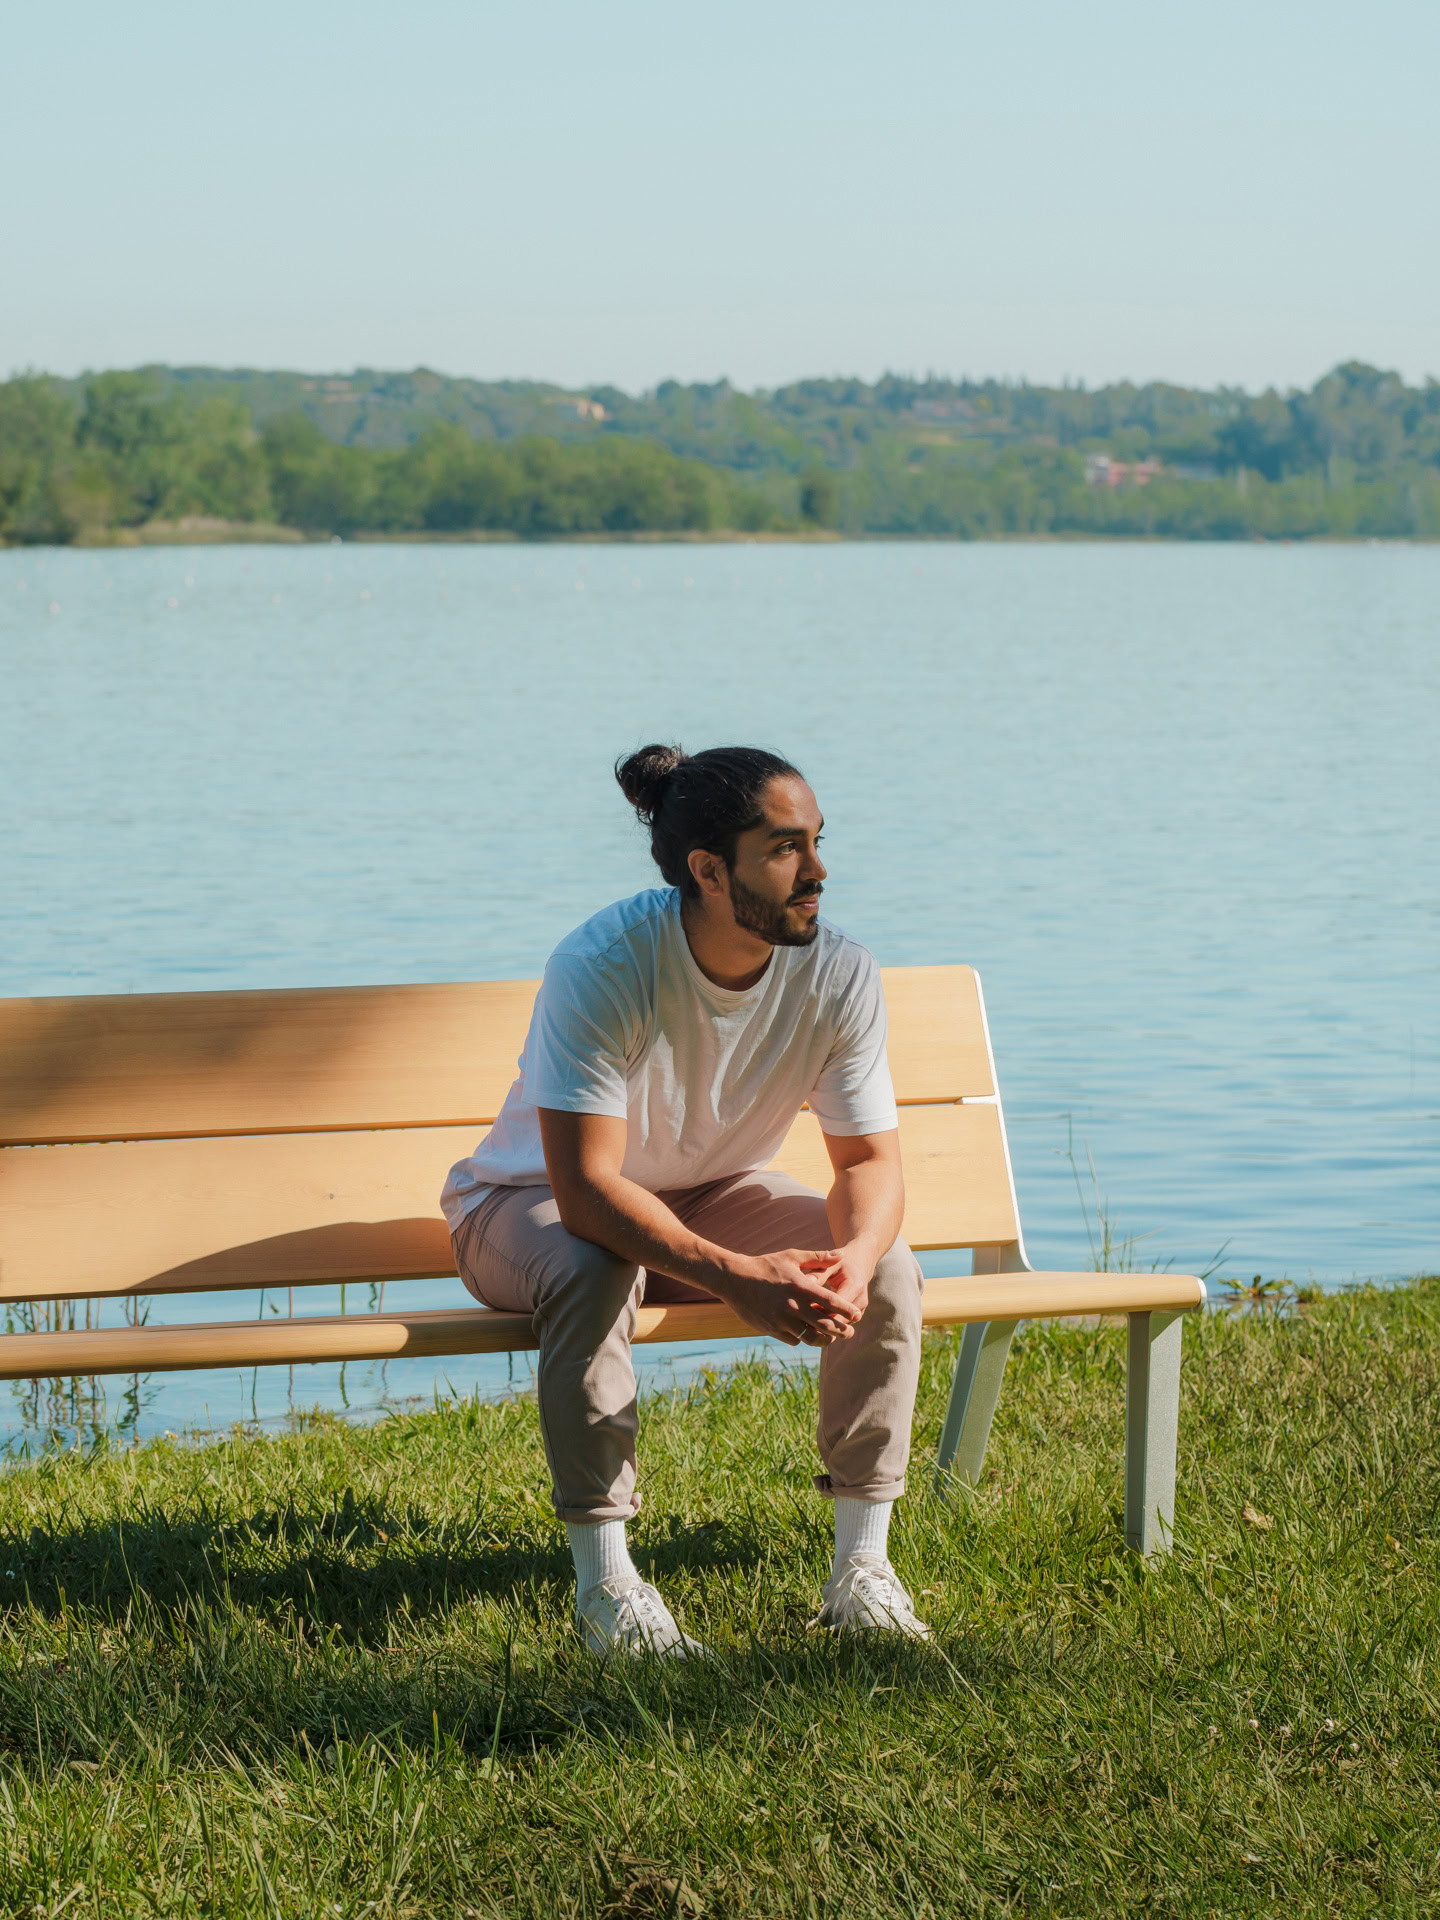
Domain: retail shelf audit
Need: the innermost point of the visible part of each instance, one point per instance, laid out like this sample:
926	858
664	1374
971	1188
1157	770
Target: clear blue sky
1243	191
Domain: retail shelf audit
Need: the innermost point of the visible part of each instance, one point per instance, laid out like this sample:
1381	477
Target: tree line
99	459
130	454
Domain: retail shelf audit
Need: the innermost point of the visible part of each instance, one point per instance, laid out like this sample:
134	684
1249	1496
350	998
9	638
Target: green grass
334	1673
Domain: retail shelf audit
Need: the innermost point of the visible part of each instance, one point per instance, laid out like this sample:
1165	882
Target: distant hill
1357	414
422	453
369	409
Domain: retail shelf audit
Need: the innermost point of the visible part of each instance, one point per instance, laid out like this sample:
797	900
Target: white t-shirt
626	1024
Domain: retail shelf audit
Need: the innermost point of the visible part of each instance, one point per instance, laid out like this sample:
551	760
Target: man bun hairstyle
643	775
691	800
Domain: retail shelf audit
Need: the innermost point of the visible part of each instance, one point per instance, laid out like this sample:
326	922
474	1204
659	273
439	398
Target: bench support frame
1152	1409
979	1375
1152	1427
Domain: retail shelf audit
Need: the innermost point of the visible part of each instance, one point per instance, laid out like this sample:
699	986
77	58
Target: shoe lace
640	1610
877	1585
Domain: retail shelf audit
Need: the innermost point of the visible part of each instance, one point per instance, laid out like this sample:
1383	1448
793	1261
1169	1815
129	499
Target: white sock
861	1526
600	1553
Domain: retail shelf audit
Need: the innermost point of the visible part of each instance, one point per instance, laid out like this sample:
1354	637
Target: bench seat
450	1330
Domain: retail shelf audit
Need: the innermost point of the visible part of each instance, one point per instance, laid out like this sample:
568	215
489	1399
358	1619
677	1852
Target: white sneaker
628	1616
866	1592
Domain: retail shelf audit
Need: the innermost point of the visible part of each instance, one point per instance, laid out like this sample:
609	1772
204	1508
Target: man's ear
707	870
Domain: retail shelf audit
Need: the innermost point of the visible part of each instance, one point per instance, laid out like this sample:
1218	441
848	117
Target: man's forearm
782	1293
615	1213
865	1206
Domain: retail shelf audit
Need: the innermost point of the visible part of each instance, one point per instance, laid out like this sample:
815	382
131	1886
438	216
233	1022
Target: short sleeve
853	1093
576	1048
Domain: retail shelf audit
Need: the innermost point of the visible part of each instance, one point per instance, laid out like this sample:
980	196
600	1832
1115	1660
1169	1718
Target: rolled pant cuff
592	1516
883	1490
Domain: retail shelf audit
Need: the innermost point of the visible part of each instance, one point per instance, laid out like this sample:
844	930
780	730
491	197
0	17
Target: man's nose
813	867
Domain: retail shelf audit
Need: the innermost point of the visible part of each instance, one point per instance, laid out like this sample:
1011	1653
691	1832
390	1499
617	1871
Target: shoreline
218	533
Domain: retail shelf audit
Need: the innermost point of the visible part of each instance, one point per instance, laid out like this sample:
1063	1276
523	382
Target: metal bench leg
1152	1422
973	1394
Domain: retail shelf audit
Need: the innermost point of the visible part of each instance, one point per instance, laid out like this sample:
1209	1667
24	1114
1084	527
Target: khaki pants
513	1254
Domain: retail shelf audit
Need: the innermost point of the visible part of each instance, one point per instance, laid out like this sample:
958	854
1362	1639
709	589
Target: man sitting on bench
674	1039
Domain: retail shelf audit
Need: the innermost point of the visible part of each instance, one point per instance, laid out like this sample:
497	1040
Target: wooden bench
184	1143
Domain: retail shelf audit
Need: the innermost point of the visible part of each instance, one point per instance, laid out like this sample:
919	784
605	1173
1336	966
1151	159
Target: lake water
1179	804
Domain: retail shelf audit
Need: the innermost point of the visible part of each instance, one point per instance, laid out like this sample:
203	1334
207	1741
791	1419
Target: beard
766	920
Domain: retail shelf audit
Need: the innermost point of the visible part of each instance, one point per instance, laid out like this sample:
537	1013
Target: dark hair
691	800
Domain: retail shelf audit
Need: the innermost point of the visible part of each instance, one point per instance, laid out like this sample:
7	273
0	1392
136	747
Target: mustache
812	892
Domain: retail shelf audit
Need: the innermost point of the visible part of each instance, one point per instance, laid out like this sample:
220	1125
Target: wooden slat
166	1066
247	1343
168	1216
937	1034
957	1189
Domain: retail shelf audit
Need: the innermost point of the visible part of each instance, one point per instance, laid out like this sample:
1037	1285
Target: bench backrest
155	1143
